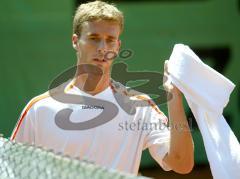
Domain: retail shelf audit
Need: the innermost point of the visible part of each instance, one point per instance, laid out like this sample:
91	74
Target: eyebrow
93	34
97	35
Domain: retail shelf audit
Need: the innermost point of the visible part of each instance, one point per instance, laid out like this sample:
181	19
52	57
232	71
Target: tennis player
100	128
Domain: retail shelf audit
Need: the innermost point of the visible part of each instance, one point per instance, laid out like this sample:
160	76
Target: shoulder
46	99
145	99
34	101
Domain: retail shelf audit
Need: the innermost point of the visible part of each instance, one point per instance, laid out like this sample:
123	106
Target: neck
92	83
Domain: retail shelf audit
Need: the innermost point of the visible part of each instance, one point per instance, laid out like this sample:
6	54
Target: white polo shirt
115	143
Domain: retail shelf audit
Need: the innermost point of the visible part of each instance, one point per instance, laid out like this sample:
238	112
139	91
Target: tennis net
23	161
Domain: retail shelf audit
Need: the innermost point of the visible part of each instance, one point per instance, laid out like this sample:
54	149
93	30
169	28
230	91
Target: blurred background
35	46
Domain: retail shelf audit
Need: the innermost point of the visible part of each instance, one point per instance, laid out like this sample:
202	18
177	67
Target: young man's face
98	43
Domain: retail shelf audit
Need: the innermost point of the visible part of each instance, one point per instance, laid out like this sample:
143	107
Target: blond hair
96	10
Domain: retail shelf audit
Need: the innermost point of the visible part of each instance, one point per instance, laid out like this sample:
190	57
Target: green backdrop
35	46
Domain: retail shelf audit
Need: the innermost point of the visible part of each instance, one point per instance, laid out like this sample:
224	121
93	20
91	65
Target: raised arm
181	151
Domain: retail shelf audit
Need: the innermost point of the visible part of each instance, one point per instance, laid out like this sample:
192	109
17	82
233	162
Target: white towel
207	93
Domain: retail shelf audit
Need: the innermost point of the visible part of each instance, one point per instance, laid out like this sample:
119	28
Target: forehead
101	27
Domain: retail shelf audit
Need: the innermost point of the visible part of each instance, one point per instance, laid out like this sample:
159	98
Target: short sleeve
157	139
24	130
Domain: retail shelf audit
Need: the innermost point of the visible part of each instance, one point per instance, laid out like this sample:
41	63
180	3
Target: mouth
99	60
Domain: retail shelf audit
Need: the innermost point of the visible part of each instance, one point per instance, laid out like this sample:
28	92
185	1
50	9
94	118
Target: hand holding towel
207	93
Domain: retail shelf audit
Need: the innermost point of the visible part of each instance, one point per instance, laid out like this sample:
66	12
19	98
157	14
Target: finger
166	66
165	78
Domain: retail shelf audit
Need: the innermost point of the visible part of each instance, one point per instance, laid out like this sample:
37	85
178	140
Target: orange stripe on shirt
154	106
27	108
32	102
150	102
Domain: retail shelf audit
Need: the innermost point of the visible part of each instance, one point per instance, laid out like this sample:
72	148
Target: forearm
181	152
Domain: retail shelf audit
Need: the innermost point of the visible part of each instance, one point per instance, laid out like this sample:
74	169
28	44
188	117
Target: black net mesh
22	161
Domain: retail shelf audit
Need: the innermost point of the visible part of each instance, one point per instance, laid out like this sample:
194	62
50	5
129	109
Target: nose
102	48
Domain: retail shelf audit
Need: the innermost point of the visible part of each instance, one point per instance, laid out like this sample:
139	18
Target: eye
94	38
111	40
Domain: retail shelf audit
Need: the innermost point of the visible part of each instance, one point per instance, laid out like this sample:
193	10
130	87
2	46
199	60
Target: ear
119	45
75	41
